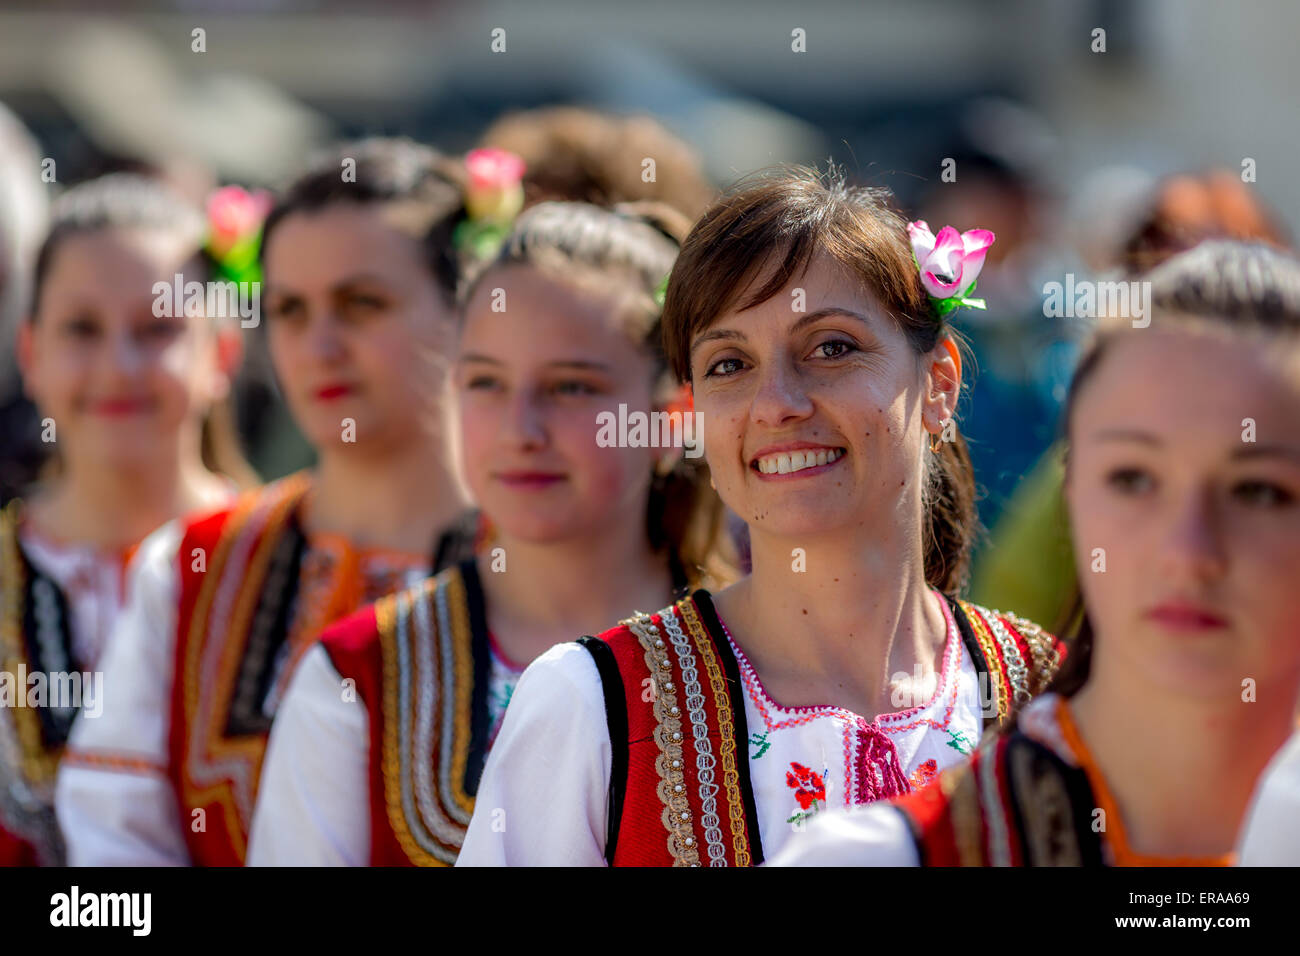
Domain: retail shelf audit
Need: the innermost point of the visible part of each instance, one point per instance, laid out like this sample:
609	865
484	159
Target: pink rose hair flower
234	216
949	263
495	191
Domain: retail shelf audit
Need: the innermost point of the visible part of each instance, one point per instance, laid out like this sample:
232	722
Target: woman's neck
1181	769
400	500
111	506
841	621
539	595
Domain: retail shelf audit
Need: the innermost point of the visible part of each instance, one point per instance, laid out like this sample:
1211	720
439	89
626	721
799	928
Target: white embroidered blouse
550	767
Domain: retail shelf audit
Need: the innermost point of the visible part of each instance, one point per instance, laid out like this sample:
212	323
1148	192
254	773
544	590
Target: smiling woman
846	670
1183	679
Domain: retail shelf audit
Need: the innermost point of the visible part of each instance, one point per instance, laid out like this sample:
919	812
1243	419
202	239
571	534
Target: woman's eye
284	308
481	382
161	331
1262	494
574	388
82	328
1130	481
365	304
723	367
835	348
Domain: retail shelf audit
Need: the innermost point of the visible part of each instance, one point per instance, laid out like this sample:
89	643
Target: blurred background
1085	160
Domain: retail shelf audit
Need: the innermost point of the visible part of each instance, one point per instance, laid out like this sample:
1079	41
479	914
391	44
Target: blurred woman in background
132	399
561	329
1181	212
361	267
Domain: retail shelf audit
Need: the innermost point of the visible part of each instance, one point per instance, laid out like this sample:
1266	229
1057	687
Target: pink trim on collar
767	704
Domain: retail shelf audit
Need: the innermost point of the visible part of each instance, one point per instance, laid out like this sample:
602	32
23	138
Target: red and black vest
1013	803
680	792
421	661
239	576
421	664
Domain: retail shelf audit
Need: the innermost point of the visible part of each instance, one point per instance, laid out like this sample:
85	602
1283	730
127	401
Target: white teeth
784	464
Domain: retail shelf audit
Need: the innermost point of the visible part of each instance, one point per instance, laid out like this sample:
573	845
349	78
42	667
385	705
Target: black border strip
983	666
611	682
481	653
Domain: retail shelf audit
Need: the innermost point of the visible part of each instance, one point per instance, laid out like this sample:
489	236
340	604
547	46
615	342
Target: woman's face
816	421
357	327
531	382
1184	479
118	381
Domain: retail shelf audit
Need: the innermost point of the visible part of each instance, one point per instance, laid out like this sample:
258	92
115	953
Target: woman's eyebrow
828	311
714	334
804	320
1126	434
586	365
582	364
1268	451
360	278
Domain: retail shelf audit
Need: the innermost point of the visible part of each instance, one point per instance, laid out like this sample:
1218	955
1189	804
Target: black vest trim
47	641
611	682
985	680
480	648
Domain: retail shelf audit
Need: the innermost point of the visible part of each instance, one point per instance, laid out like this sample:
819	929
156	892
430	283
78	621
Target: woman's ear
680	402
228	347
943	384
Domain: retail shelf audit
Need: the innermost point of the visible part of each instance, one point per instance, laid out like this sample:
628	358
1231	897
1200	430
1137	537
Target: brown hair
1187	209
387	171
629	250
1243	289
132	201
786	216
583	155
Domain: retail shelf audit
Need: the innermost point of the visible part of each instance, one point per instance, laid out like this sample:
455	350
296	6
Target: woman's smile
795	459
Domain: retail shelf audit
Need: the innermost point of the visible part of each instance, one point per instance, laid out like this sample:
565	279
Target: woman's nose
1193	547
781	396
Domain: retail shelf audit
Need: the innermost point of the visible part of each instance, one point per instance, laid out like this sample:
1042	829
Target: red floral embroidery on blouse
924	774
807	784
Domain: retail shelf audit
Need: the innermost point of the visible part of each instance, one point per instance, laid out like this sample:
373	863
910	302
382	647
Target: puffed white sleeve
1271	836
542	799
313	805
114	800
876	835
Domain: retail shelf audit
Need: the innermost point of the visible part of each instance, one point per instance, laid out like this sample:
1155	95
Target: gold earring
936	442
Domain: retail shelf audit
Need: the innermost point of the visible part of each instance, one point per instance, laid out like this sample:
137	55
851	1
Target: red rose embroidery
924	774
807	785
